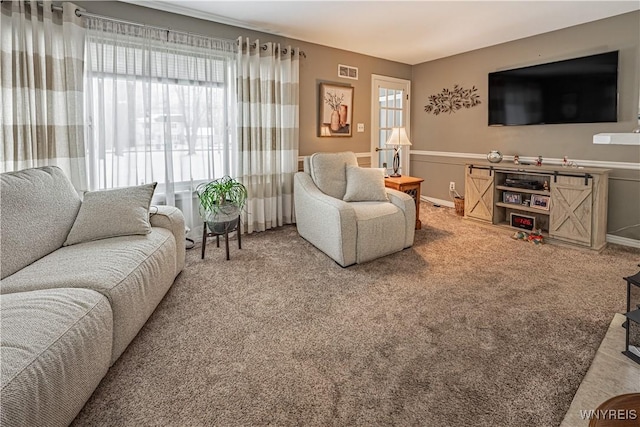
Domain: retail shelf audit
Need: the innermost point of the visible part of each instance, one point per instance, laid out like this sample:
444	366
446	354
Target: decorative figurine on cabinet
539	161
516	160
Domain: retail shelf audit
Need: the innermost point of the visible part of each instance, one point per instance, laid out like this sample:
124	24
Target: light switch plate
360	127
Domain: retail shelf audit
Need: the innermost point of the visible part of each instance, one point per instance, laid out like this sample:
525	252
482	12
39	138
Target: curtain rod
94	15
80	13
265	47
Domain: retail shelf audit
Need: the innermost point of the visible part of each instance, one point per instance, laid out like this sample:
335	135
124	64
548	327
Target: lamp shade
398	137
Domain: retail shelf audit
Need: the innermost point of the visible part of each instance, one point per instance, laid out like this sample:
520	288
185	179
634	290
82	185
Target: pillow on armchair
365	185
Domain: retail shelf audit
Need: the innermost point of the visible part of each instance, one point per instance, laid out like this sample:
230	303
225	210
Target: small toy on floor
534	237
520	235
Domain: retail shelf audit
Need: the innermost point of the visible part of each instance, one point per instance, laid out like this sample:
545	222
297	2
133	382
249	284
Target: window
158	106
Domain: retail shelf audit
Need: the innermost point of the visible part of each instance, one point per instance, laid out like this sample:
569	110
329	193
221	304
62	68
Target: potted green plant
221	202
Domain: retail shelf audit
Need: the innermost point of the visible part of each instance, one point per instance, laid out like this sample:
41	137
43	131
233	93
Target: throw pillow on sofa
365	185
112	213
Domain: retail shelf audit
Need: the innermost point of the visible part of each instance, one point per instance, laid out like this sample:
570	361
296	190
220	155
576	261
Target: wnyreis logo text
609	414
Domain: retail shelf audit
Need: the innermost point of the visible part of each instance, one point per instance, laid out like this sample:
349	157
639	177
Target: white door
389	109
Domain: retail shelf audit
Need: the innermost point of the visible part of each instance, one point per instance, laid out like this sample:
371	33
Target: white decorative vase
494	156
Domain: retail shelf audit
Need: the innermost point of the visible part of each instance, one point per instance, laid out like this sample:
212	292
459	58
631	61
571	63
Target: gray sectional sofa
68	312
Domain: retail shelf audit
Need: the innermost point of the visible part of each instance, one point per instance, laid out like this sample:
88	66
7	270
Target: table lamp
397	139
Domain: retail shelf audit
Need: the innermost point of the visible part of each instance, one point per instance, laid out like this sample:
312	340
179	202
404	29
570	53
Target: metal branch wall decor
450	101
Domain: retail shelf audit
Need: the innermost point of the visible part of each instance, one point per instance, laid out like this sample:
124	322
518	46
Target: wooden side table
409	185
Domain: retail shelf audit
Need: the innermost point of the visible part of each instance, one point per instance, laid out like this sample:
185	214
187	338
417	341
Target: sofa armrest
407	205
326	222
171	218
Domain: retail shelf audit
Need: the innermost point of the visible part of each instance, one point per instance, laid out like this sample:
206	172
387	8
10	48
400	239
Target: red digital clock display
523	221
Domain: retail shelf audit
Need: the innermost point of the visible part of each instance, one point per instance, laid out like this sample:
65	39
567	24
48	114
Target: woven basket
459	202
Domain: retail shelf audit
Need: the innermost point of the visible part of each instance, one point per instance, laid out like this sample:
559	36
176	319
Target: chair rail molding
532	160
359	155
547	160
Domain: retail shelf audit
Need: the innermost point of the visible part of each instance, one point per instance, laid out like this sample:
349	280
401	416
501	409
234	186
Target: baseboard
440	202
624	241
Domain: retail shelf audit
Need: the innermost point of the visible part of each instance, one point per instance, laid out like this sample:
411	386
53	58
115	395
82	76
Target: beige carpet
468	327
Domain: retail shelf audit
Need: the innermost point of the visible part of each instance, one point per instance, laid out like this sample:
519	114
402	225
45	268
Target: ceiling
410	32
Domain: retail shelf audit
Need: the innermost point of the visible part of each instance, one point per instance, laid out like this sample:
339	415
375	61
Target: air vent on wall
347	72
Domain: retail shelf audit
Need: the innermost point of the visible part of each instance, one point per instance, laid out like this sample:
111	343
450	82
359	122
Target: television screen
580	90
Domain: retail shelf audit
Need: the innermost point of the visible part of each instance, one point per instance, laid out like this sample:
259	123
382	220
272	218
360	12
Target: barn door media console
567	204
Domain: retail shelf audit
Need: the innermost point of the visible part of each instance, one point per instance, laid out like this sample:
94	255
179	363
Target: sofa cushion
55	348
38	209
365	185
329	172
133	272
112	213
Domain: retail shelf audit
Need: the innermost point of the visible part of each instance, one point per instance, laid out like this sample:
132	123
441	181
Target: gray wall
320	65
466	131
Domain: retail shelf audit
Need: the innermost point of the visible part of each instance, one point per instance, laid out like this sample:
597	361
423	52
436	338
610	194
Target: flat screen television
579	90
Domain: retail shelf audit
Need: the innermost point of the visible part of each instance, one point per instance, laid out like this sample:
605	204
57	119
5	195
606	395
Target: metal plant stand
222	229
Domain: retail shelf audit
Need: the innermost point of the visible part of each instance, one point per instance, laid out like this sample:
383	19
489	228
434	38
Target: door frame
376	79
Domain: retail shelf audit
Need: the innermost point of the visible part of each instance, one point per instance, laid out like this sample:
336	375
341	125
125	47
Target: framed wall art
336	110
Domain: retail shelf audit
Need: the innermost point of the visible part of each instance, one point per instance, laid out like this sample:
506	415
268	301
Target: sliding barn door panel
478	194
572	209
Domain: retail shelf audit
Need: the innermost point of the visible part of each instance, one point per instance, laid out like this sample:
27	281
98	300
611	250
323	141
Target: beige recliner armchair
347	213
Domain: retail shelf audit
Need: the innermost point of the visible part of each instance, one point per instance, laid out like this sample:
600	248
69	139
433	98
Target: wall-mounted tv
579	90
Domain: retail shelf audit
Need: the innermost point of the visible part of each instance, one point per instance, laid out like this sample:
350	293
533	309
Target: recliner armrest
313	192
172	219
407	205
328	223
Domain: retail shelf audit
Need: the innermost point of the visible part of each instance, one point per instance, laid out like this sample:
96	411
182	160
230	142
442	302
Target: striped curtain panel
41	70
268	131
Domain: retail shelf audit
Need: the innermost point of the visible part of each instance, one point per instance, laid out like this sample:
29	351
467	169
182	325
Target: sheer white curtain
41	117
268	131
159	106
